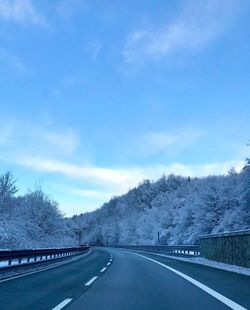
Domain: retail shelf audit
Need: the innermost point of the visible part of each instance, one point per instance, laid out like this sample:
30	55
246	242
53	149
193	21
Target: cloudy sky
96	96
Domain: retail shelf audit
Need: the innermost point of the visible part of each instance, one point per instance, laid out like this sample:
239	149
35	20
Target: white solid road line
103	269
62	304
91	281
231	304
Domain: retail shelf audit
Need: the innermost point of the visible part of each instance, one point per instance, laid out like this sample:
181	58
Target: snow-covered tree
178	209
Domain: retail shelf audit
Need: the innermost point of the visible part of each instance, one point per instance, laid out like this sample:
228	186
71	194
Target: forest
172	210
32	220
177	209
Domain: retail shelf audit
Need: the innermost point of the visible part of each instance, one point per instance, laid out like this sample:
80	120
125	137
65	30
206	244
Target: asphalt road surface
120	280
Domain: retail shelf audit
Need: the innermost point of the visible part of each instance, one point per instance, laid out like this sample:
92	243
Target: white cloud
65	141
200	22
20	11
5	133
26	137
90	193
120	180
96	185
12	61
67	8
201	170
95	50
81	192
71	81
170	142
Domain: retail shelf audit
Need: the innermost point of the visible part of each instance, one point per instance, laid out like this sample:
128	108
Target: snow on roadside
214	264
207	262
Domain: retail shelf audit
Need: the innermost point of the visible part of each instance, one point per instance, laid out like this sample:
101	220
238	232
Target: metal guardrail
9	258
192	250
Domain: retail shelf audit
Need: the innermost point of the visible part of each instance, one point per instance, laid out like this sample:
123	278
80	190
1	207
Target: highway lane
232	285
46	289
118	279
134	282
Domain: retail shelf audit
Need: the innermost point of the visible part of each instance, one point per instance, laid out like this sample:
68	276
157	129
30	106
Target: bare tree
7	186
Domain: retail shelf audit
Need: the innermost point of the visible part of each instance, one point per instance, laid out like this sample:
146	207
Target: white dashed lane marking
103	269
62	304
91	281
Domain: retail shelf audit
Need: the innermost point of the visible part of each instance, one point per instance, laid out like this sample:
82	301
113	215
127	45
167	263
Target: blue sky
96	96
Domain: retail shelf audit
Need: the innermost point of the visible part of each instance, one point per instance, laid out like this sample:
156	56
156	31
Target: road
119	279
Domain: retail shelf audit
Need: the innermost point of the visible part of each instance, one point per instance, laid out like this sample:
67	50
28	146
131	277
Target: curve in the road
110	279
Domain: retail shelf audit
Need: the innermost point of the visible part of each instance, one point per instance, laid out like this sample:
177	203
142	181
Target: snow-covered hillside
172	210
175	208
